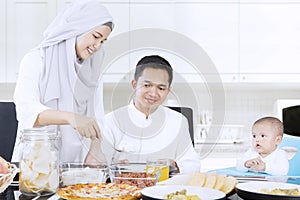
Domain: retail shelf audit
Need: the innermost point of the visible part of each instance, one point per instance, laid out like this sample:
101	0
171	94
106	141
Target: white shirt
27	97
276	163
164	134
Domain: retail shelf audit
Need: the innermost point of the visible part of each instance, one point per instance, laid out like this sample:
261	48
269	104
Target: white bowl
75	173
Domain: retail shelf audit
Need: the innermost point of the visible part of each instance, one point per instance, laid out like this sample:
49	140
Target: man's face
151	89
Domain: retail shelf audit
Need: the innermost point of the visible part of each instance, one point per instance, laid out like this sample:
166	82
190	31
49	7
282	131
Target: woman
58	82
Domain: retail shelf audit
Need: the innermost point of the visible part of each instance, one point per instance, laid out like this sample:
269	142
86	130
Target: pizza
100	191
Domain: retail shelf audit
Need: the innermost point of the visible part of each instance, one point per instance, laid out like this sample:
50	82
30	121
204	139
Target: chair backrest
188	113
292	141
290	120
8	129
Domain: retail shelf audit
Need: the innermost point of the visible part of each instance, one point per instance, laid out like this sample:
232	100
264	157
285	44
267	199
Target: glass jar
39	164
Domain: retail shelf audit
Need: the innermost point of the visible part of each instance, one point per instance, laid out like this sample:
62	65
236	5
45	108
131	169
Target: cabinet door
152	15
2	42
120	14
270	42
214	27
26	22
118	69
160	15
62	4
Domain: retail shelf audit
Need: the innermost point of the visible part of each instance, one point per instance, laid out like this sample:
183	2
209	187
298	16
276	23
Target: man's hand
174	164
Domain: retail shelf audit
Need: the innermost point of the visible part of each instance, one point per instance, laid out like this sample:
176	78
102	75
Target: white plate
159	191
180	179
252	190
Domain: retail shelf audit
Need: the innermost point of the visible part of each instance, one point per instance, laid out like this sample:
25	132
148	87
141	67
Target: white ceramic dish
252	190
159	191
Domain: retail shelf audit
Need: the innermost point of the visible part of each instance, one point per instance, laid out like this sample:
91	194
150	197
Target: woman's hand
86	126
95	155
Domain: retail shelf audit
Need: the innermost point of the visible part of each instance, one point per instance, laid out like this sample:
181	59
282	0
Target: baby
264	156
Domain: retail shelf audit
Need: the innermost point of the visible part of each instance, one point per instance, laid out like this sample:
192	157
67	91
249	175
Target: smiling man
146	130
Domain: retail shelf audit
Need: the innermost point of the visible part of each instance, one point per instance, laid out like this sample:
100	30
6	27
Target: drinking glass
160	164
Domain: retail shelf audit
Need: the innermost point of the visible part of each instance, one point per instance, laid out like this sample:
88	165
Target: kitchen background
254	45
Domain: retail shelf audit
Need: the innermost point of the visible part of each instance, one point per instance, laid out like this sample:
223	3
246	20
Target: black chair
291	120
188	113
8	129
291	123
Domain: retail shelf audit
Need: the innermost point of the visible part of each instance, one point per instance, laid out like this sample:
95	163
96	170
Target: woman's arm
86	126
32	113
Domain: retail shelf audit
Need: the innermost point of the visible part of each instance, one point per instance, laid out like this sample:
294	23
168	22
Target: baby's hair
275	123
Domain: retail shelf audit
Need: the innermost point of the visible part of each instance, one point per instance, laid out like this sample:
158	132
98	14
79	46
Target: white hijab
60	61
67	84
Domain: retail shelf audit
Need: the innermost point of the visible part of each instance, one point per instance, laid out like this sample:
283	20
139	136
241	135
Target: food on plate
139	179
181	195
197	179
4	170
220	182
4	166
7	173
210	181
280	191
229	184
100	191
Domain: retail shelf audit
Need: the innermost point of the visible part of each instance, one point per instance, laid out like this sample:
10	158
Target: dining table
13	193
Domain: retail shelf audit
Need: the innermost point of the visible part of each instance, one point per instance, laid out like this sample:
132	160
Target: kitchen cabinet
247	40
118	70
2	42
269	42
61	4
214	27
26	21
152	15
120	13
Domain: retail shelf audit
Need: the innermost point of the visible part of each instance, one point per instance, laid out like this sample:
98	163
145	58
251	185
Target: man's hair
155	62
275	123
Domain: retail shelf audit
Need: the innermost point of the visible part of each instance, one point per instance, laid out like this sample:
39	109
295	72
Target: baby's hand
251	162
255	164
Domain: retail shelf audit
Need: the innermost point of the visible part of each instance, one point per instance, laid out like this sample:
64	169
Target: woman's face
151	89
91	42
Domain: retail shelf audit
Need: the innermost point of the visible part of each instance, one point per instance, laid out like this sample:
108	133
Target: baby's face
265	138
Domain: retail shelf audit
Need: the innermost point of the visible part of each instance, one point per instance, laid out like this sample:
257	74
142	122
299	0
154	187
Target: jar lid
39	134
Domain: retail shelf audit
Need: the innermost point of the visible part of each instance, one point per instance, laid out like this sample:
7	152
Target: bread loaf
220	182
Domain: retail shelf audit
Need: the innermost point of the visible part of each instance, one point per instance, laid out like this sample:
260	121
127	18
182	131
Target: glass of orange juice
160	164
